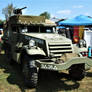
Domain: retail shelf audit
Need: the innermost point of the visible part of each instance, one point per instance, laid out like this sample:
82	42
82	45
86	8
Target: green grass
11	80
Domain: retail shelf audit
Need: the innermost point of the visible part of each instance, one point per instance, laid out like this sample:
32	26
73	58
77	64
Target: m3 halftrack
33	42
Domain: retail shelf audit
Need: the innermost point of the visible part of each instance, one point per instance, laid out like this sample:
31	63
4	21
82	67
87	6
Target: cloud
87	14
25	12
78	6
52	15
64	12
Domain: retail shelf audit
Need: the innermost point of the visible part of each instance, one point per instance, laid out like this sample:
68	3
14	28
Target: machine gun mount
19	10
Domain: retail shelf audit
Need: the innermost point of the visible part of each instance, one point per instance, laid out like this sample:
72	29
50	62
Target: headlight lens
31	43
82	43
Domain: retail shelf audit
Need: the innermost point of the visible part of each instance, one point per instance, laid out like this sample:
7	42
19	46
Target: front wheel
77	72
29	71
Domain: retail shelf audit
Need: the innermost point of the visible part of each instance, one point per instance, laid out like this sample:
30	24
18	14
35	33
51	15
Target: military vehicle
33	42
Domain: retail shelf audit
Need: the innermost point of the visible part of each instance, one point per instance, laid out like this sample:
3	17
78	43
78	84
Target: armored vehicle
33	42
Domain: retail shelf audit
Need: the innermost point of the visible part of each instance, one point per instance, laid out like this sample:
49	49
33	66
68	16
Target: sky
57	8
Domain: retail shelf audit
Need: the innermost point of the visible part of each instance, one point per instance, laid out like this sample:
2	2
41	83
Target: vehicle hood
48	37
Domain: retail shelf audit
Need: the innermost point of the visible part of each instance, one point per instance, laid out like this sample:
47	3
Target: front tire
29	71
77	72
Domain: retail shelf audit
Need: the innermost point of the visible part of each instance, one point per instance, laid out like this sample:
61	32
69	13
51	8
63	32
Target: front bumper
66	65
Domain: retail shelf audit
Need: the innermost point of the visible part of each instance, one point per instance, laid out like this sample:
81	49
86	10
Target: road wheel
29	71
77	72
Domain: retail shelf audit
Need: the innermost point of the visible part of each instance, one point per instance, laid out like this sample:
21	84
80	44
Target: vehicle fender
66	65
79	60
35	51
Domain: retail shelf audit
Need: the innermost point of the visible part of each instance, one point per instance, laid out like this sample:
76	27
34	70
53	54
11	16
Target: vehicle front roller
77	72
29	71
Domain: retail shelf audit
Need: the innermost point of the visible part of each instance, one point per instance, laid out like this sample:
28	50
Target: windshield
47	29
37	29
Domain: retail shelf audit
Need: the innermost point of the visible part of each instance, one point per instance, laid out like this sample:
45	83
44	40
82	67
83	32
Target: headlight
82	43
31	43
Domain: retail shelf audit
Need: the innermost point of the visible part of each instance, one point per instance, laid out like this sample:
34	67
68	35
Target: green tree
1	22
46	14
8	11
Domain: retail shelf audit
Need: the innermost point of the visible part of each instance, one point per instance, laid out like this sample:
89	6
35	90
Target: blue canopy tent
77	21
75	26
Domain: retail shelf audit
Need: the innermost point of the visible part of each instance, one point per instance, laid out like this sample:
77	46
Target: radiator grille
57	49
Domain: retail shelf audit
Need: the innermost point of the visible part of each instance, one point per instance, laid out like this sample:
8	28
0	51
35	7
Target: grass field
11	80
